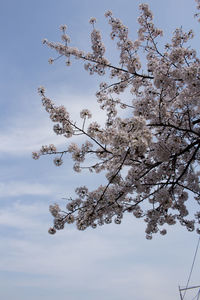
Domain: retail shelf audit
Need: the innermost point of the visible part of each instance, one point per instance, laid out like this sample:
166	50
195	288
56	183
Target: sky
111	262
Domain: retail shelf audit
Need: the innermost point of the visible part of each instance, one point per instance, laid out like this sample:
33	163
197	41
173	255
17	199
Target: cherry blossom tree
148	148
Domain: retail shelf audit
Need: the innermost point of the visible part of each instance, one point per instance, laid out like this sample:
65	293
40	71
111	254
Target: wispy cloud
26	137
21	188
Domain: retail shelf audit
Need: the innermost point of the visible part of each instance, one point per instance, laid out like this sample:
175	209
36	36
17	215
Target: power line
195	254
197	296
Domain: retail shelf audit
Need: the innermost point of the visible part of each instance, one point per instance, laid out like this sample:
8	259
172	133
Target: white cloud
20	188
26	137
22	216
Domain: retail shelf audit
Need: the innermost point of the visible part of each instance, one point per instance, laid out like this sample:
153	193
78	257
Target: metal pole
198	295
180	293
189	288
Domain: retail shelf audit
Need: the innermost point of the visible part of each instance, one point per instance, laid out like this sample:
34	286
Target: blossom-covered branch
150	154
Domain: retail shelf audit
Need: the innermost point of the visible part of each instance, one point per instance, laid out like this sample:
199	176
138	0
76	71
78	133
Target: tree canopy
148	148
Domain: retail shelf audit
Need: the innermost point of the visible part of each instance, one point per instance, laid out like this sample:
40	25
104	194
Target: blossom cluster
151	153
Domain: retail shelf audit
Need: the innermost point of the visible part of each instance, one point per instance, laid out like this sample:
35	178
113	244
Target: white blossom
92	20
35	155
85	113
52	230
63	27
58	161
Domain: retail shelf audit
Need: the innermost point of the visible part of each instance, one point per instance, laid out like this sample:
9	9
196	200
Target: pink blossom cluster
151	153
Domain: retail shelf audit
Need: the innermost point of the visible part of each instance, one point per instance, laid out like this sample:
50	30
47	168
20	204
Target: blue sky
113	262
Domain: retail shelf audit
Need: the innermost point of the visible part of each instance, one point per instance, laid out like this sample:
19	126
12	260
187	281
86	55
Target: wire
197	296
195	254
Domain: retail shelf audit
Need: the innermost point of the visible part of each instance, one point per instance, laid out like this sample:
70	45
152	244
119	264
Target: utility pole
189	288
